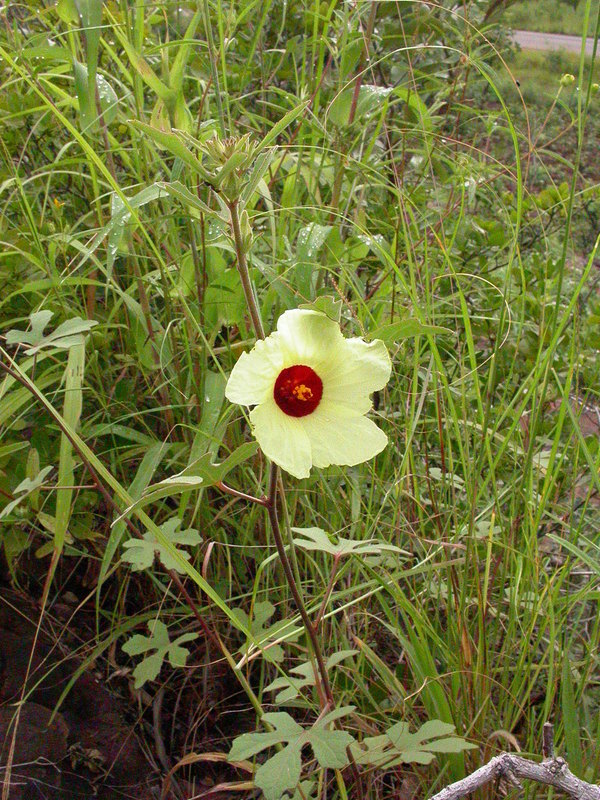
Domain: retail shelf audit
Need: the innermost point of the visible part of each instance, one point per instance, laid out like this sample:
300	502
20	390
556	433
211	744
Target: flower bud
567	79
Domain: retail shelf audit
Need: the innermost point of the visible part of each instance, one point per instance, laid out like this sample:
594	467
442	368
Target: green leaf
86	97
405	329
281	772
154	454
370	99
330	746
144	70
142	552
72	406
67	12
173	143
67	334
399	746
291	686
317	539
263	634
309	244
24	489
181	192
149	668
571	718
176	73
261	165
328	305
280	126
120	215
249	744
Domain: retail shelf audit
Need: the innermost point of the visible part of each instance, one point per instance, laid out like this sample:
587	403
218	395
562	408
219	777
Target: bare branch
551	772
548	741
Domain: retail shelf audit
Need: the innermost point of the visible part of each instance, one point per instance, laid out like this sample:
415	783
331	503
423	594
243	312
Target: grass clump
393	170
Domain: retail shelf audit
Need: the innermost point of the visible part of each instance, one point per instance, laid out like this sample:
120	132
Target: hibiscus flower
311	390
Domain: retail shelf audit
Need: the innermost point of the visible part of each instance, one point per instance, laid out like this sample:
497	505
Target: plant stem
242	262
327	695
261	501
275	482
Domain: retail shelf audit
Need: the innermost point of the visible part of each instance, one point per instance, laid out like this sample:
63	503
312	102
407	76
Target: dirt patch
86	749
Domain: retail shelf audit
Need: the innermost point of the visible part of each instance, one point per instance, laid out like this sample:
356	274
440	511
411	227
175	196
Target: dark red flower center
298	390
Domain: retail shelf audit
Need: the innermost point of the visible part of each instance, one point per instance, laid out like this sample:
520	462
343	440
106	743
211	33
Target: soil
86	749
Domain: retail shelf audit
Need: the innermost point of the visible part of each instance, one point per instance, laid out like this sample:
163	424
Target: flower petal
347	440
360	363
358	369
282	438
309	337
254	374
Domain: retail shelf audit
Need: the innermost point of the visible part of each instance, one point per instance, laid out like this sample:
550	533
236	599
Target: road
532	40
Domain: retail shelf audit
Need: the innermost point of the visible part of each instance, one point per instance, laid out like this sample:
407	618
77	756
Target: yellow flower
311	390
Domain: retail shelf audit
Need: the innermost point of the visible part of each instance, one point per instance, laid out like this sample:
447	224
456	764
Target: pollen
298	390
302	392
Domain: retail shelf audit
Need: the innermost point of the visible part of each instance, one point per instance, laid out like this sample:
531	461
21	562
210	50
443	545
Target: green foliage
551	16
398	746
26	489
389	172
288	688
149	668
265	636
317	539
66	335
282	771
140	553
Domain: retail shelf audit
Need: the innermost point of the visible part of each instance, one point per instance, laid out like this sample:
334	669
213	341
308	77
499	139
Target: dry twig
552	771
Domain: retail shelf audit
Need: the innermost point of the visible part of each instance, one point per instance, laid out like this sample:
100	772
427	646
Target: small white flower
311	388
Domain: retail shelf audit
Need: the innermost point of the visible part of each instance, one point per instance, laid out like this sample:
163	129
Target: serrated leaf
250	744
137	645
318	539
140	553
177	654
405	329
433	728
330	306
417	757
24	489
398	745
149	668
330	746
68	333
262	634
291	686
280	773
37	322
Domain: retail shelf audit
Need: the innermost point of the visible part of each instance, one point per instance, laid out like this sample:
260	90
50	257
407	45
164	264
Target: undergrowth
418	186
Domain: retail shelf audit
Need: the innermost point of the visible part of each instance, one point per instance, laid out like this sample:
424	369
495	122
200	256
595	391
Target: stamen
302	392
298	390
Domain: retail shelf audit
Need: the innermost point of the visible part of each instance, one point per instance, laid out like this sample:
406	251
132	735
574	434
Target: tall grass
419	203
